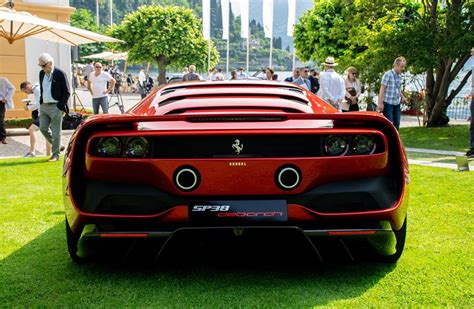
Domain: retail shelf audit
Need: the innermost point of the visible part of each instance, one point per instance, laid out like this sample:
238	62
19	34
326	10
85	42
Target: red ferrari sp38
238	157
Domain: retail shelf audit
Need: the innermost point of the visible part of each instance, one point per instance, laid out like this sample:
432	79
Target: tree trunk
161	69
437	98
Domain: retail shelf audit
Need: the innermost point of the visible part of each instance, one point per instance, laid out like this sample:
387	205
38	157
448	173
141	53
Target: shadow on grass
42	274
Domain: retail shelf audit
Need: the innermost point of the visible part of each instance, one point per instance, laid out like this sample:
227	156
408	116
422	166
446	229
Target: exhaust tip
288	177
186	178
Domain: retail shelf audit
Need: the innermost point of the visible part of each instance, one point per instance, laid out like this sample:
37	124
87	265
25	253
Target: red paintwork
248	98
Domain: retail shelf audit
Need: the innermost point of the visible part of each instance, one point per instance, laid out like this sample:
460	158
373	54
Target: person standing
303	80
218	76
53	102
269	74
351	99
35	90
192	74
296	74
470	152
142	82
241	74
233	75
313	78
88	69
331	84
97	85
391	94
6	102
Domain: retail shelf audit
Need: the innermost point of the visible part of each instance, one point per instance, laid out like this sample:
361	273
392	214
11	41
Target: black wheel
400	236
72	241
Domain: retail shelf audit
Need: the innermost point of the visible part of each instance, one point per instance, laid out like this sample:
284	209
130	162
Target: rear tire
72	241
400	236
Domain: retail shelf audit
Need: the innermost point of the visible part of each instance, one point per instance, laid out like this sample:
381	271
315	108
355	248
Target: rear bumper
323	245
355	206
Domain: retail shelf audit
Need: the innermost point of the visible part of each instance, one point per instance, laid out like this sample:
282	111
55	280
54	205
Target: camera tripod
119	101
74	95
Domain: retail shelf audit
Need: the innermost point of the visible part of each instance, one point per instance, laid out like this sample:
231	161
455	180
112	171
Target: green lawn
436	268
455	138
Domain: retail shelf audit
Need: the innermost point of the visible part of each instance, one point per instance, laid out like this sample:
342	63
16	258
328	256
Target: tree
168	35
434	36
82	18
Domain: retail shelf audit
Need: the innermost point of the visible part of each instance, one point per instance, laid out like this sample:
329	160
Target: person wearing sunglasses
53	102
97	84
303	79
352	83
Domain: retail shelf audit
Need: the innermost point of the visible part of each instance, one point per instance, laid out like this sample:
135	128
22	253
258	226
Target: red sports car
238	157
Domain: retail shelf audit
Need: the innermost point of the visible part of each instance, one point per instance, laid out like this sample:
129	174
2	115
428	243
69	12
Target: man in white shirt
332	87
6	102
33	106
97	85
142	82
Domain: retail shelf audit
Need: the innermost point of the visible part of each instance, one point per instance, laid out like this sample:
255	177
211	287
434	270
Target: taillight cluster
131	147
341	145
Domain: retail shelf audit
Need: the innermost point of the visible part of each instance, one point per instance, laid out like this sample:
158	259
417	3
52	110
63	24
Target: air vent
236	119
296	99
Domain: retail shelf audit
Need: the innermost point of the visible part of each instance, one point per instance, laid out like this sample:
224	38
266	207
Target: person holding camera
35	90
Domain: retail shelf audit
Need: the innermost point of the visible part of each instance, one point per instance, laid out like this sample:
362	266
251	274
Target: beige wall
13	63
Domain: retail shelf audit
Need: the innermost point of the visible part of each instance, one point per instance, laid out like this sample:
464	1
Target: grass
436	268
454	138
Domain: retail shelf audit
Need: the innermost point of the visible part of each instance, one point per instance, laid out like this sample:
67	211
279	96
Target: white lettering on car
211	208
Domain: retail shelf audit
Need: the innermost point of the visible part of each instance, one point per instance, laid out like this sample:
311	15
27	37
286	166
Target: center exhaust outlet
186	178
288	177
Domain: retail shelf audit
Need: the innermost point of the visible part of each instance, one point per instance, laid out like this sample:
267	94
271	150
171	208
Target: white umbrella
19	25
108	55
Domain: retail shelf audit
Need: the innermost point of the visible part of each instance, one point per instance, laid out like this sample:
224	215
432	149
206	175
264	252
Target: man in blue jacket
53	102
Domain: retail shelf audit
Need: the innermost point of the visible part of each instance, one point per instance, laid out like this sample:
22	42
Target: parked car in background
238	158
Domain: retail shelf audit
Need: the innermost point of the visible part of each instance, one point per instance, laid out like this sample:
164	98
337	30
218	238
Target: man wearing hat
332	87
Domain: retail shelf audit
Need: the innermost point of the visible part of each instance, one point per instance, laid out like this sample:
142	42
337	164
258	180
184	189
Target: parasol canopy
16	25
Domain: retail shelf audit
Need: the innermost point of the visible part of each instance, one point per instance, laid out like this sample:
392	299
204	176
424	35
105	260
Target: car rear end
272	167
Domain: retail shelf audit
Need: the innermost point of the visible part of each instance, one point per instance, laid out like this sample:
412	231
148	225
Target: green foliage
355	32
168	34
83	18
434	36
120	8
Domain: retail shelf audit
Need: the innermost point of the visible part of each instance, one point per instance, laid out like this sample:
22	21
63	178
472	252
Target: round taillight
137	147
336	145
109	147
363	144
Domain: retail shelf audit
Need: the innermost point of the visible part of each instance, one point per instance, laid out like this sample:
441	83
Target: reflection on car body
238	156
